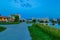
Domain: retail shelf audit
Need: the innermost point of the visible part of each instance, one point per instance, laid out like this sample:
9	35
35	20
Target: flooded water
50	24
16	32
56	25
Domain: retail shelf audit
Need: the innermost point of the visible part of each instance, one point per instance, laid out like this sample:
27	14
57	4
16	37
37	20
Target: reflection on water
56	25
50	24
16	32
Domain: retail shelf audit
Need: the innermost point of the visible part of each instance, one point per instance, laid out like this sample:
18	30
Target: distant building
10	19
13	17
3	19
44	19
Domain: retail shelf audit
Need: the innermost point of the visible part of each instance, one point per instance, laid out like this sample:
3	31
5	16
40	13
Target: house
15	17
44	19
11	18
3	19
6	19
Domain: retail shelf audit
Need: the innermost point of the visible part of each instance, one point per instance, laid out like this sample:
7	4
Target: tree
23	20
34	20
16	18
20	20
59	22
46	21
41	21
53	22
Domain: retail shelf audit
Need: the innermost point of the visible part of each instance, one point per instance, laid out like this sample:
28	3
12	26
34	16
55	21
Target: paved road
15	32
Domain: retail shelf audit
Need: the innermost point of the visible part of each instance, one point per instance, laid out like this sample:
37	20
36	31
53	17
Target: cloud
21	0
24	3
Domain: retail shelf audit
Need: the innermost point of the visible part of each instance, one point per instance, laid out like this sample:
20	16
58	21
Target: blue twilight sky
31	8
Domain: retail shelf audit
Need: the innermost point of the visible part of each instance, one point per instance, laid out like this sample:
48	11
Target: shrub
50	30
2	28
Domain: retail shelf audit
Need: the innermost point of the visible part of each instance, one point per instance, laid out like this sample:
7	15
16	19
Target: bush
50	30
2	28
34	20
59	22
53	22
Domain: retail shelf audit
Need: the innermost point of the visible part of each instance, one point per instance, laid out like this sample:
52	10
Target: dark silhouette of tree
53	22
21	20
46	21
58	22
41	21
33	20
16	18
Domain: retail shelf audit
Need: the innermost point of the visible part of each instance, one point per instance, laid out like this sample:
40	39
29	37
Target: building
14	18
11	18
3	19
44	19
6	19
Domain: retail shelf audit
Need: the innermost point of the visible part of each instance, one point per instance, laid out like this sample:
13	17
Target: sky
31	8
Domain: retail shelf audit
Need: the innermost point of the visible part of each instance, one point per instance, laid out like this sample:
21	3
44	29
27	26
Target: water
56	25
50	24
16	32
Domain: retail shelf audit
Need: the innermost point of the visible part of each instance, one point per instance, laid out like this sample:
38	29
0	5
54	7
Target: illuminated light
3	19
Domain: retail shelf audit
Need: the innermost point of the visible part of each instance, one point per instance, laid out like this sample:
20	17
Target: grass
44	32
2	28
6	23
50	30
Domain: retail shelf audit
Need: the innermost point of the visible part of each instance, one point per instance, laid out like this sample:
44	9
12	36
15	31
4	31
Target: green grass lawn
39	34
7	23
2	28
